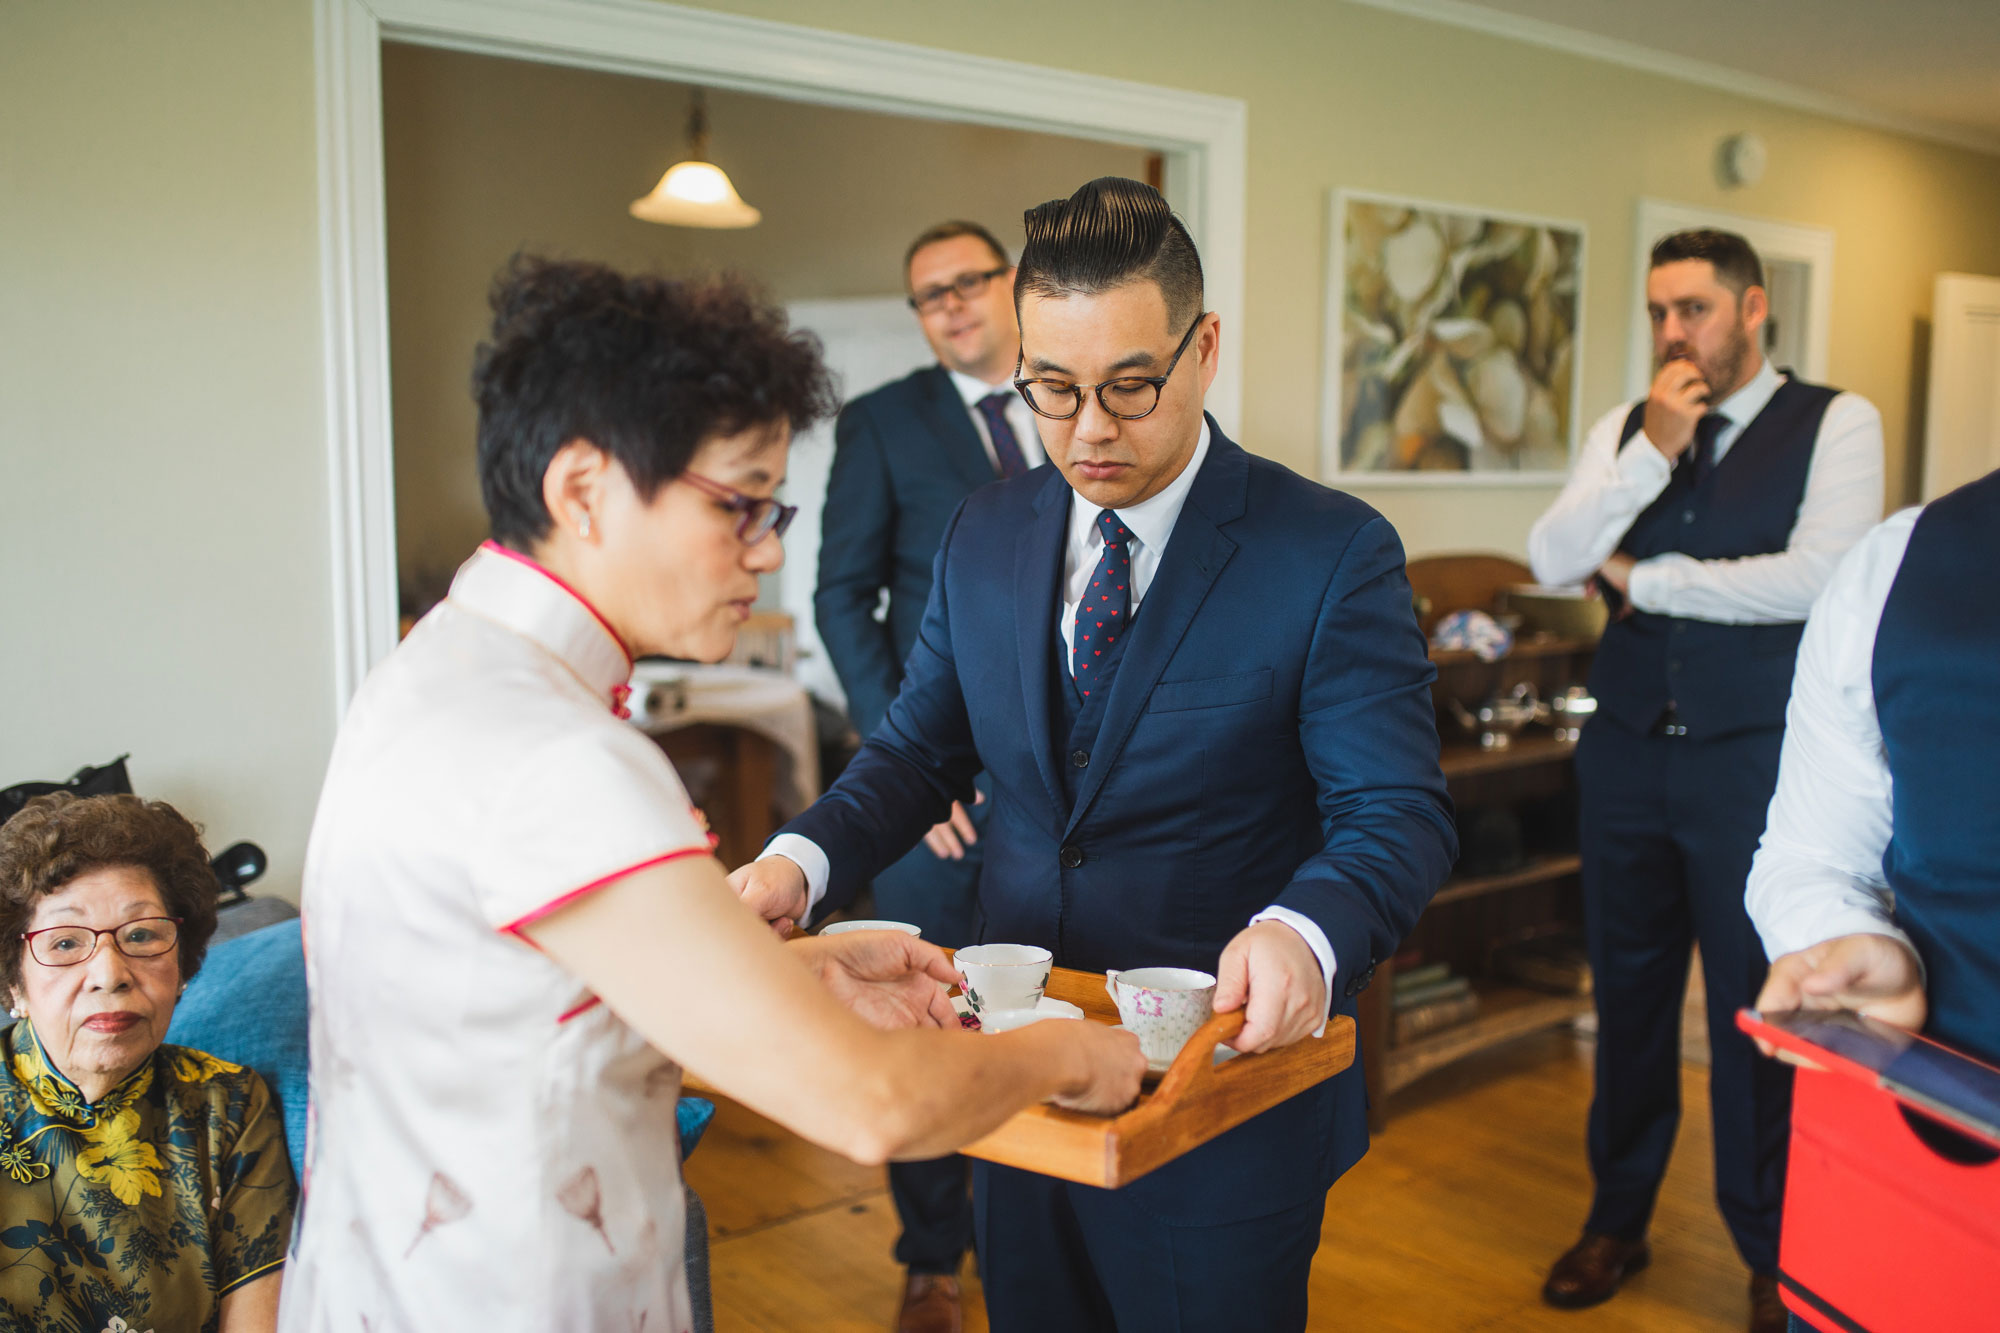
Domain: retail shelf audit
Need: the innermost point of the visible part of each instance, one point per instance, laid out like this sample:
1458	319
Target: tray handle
1195	1065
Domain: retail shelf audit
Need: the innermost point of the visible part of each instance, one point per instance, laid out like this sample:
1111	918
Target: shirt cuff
1651	585
806	855
1798	931
1315	939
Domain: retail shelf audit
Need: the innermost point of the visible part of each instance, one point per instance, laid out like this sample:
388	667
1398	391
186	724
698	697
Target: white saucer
1048	1006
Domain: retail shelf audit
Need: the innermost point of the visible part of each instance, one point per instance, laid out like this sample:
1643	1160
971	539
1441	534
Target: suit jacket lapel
1038	556
1194	558
951	424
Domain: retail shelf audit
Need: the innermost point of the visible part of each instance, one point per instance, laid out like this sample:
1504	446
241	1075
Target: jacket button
1079	758
1071	856
1674	665
1687	515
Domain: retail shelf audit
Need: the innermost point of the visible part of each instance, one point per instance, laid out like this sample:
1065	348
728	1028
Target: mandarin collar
59	1093
516	592
1152	520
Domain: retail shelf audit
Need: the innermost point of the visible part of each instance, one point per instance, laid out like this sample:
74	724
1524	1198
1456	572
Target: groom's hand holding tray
1195	1100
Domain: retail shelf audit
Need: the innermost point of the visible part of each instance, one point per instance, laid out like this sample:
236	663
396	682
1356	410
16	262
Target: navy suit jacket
1269	739
904	457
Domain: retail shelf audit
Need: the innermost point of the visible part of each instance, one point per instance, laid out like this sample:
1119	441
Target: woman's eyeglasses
1128	397
758	517
65	946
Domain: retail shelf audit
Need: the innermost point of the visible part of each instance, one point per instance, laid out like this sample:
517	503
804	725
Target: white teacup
842	927
997	977
1162	1006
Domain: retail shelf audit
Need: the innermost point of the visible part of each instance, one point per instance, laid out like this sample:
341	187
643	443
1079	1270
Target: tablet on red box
1892	1198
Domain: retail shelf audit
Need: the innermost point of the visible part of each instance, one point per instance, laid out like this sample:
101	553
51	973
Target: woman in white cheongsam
516	936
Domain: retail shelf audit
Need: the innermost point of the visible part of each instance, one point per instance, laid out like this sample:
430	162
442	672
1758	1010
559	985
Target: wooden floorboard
1449	1223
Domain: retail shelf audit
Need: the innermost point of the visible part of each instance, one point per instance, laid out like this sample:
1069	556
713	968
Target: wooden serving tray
1195	1100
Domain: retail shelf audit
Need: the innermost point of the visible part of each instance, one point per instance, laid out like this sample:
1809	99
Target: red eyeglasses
758	516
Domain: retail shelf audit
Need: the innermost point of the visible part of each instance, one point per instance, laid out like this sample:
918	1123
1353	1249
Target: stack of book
1428	998
1555	962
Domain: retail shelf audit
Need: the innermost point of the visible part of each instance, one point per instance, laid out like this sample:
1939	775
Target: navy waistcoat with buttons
1074	719
1936	676
1718	679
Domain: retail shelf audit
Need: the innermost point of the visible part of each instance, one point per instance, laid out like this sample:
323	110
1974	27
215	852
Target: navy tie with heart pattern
1106	607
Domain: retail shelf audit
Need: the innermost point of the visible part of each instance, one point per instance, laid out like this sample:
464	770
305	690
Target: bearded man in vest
1710	514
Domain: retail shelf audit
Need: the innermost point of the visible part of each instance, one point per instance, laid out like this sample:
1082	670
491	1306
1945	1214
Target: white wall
163	534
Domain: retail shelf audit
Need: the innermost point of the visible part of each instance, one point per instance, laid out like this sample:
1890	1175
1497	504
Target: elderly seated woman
147	1185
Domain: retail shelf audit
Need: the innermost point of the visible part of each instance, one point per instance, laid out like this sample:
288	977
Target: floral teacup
1162	1006
998	977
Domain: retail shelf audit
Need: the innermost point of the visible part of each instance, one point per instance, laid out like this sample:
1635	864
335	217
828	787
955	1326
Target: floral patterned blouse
141	1211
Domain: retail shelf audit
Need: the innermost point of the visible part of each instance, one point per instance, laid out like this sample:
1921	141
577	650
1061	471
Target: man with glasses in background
905	457
1196	685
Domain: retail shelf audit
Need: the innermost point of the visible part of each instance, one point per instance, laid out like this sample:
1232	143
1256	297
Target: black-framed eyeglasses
966	285
66	946
1128	397
758	516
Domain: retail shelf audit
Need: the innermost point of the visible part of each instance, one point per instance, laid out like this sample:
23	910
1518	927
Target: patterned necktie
1106	606
1005	447
1705	432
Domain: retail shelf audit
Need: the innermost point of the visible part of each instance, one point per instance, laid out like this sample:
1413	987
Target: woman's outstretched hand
889	979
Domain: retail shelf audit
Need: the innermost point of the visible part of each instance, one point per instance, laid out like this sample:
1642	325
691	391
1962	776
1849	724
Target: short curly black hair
644	367
60	836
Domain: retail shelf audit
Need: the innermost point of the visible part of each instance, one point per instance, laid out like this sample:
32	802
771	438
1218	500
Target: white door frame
1811	246
1202	136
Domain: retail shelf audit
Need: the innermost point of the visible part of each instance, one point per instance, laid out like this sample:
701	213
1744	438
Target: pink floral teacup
1162	1006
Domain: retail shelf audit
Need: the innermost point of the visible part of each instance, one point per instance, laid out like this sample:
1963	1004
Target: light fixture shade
695	194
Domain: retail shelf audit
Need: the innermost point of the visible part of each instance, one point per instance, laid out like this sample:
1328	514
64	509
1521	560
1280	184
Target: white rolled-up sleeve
1610	486
1818	871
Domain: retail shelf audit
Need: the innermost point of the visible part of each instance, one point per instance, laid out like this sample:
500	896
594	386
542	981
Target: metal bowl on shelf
1568	711
1500	717
1568	612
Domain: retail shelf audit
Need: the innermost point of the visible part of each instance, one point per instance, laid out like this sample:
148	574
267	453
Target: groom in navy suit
1198	689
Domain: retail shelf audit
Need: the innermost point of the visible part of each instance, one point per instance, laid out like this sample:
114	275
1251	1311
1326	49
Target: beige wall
163	545
1343	95
488	156
163	531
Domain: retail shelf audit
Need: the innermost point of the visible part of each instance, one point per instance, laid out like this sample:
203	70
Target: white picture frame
1506	411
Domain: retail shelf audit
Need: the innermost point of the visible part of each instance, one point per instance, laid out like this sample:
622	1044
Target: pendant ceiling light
696	193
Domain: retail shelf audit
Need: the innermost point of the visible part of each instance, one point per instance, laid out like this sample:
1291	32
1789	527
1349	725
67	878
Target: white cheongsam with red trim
491	1148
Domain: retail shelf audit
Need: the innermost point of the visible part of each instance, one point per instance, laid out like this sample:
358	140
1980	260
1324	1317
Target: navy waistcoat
1718	679
1936	675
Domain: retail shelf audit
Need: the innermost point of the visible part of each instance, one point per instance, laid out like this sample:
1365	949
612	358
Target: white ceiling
1931	61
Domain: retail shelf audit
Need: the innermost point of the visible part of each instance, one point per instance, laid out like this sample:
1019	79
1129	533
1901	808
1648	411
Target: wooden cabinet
1498	896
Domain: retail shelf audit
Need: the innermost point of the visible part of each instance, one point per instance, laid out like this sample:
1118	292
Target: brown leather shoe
1767	1309
1593	1269
930	1305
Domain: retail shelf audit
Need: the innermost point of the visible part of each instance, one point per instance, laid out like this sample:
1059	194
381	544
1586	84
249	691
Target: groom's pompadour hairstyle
1110	232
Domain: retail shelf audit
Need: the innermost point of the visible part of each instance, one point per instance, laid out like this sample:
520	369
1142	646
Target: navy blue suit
905	457
1268	738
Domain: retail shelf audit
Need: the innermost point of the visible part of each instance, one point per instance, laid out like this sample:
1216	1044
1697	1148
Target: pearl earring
17	1012
583	526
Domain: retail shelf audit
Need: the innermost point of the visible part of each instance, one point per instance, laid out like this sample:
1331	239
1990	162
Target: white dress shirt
476	1111
1612	486
1019	415
1818	871
1151	523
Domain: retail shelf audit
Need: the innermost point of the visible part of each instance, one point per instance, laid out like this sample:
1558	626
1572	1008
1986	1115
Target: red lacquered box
1892	1198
